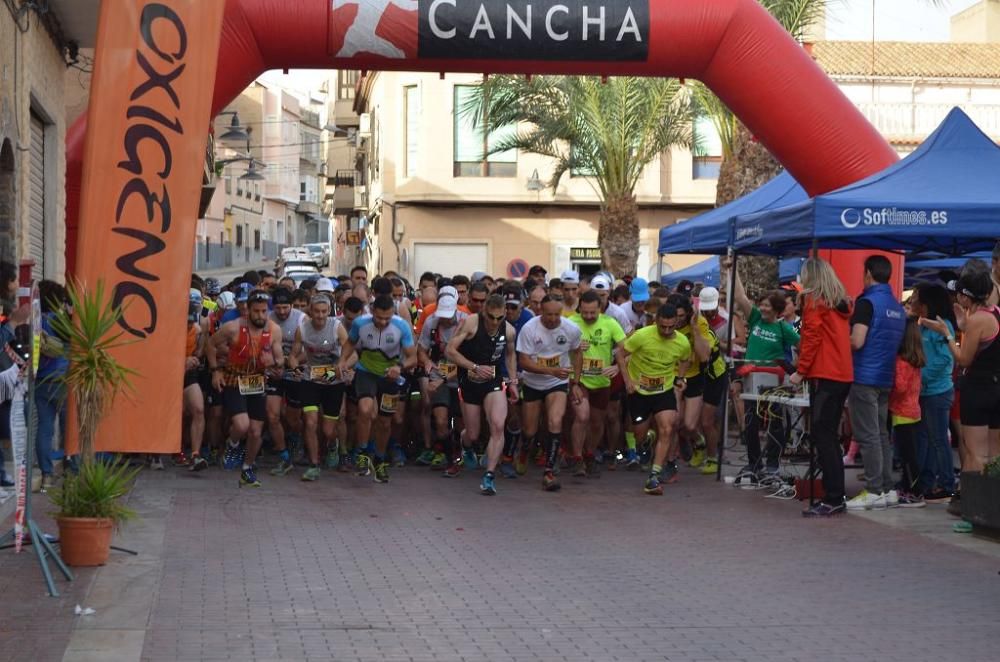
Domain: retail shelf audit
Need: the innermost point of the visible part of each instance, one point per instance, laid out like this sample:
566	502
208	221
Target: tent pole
659	268
729	344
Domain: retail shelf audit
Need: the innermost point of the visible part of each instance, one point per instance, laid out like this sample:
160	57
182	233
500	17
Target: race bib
549	361
651	384
593	367
389	402
448	370
251	385
322	373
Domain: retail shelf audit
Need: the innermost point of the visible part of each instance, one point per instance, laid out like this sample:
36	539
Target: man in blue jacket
876	332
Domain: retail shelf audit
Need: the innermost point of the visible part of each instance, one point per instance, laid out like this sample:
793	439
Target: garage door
36	197
449	259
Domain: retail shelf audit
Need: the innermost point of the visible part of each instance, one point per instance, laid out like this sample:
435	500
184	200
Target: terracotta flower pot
84	541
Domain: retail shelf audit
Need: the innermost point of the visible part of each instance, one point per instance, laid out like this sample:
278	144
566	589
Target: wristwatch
683	381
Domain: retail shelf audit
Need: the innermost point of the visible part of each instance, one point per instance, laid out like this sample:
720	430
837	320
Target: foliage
94	376
96	491
992	468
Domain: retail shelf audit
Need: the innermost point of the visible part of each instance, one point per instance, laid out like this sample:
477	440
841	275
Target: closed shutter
450	259
36	200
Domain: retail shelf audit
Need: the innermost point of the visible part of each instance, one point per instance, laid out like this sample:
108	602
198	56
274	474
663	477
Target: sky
895	20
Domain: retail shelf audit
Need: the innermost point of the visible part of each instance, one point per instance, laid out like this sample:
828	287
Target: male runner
716	376
194	399
548	349
483	344
319	338
695	328
517	315
384	345
254	351
570	290
442	378
284	389
352	309
602	336
652	360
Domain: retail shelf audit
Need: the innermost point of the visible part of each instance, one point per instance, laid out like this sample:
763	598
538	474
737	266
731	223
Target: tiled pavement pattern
425	569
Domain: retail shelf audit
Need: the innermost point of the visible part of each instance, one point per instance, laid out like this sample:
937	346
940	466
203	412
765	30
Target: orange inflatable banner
150	108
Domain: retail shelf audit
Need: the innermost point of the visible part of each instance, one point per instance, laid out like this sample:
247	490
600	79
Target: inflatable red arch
733	46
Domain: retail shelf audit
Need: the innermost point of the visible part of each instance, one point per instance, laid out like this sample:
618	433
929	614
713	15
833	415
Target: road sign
517	268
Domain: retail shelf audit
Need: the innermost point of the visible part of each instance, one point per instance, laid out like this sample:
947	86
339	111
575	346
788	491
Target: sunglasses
259	298
495	318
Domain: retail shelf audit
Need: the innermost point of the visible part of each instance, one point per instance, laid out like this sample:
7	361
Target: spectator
825	360
994	299
904	407
876	332
936	478
50	392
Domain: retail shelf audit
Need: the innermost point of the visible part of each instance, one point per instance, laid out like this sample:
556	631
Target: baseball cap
195	296
281	296
447	305
478	276
708	299
227	301
243	293
448	291
639	289
325	285
537	269
685	287
600	282
570	276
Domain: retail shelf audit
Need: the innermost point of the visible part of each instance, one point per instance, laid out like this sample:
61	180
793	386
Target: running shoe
710	467
156	463
747	476
487	488
311	474
653	486
822	509
382	472
521	466
440	461
549	482
425	458
469	459
507	469
284	466
332	458
248	478
592	467
865	500
181	460
453	470
578	468
891	498
398	456
346	464
233	457
364	465
671	473
697	458
198	464
540	458
908	500
632	460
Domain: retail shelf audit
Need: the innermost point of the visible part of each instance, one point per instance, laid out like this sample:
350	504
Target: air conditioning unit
365	125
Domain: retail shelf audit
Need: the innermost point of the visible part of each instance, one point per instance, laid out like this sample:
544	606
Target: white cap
708	299
449	291
600	282
570	276
478	276
447	305
324	285
227	301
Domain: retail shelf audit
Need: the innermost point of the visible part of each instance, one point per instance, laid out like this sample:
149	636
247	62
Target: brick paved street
426	569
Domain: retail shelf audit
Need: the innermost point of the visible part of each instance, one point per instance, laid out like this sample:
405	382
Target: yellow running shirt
652	365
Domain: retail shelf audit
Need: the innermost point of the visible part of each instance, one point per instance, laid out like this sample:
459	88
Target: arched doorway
8	204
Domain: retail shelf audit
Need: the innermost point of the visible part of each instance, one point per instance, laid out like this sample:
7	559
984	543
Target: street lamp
236	132
251	175
535	182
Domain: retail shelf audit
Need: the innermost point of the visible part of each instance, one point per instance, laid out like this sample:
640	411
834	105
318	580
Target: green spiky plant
96	491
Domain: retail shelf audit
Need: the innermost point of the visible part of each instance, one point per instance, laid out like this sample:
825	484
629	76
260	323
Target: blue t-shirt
380	349
50	366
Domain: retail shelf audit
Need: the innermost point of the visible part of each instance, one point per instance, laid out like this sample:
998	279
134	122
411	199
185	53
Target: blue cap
639	290
243	293
195	296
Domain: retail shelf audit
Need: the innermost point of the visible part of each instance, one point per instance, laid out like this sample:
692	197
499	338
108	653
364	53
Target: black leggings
905	436
826	404
776	439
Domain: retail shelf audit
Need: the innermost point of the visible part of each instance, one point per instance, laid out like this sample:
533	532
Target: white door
449	259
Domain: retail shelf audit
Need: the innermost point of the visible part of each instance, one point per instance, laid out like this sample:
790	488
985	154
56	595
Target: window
239	235
346	81
472	143
256	191
302	190
256	240
411	102
239	186
707	150
229	185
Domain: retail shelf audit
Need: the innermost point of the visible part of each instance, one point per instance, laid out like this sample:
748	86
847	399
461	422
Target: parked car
290	254
320	252
297	266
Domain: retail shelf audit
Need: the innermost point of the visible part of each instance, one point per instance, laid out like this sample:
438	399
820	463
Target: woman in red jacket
825	360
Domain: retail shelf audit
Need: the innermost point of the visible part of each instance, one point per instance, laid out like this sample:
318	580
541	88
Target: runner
517	315
549	353
716	376
570	291
254	350
442	379
194	399
284	389
346	428
695	328
652	360
601	336
319	339
384	345
482	347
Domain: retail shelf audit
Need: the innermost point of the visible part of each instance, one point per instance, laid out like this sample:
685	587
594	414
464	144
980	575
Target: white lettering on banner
432	20
556	36
482	23
851	218
752	232
524	24
599	22
629	25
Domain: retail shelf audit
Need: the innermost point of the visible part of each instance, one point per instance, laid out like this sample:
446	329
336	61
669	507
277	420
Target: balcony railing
918	120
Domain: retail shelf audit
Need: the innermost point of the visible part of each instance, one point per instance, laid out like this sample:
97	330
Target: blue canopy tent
943	263
707	272
942	198
710	233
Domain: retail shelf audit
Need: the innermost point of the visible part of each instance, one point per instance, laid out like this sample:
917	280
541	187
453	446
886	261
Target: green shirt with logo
768	341
601	336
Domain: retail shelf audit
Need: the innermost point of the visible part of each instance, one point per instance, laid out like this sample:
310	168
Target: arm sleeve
617	332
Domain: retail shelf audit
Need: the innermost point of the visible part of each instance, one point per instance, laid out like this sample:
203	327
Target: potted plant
981	496
89	503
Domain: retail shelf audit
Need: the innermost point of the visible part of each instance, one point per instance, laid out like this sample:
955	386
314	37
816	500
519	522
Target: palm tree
609	130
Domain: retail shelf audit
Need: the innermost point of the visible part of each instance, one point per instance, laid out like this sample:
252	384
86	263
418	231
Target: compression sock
284	455
510	441
555	439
